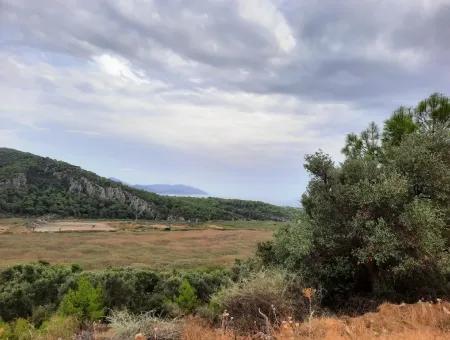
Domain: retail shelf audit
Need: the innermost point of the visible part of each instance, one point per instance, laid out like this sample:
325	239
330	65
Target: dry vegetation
183	246
422	320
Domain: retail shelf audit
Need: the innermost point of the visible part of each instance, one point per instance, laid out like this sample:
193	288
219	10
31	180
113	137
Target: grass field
141	243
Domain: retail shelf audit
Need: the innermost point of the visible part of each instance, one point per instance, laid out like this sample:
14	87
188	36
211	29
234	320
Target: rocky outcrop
110	193
18	182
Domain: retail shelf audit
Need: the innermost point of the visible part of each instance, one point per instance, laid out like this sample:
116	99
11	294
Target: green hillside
34	185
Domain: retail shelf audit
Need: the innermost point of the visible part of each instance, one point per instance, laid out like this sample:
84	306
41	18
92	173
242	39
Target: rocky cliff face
17	182
111	193
84	186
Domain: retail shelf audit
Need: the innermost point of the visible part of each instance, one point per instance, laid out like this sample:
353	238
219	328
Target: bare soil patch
75	226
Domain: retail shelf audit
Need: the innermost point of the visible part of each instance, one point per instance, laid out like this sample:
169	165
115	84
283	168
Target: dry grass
421	321
159	249
126	326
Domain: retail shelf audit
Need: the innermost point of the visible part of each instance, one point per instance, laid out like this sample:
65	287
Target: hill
35	185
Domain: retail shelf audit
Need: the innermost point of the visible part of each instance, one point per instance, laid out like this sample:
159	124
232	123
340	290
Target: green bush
25	287
35	291
6	331
23	330
187	298
85	302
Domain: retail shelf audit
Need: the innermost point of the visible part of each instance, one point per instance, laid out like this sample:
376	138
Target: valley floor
95	244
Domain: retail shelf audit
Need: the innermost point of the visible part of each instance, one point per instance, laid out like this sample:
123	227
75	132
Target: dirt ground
62	226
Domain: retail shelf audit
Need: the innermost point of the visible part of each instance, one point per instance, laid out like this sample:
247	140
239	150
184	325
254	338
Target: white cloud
120	68
265	14
226	124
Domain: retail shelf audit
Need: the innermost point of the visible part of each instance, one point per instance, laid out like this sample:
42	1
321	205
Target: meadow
158	245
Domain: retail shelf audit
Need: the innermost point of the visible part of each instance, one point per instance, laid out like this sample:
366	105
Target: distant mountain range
169	189
166	189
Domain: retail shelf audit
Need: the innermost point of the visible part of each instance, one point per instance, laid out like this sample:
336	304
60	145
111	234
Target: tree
187	298
364	145
85	302
378	223
433	113
400	124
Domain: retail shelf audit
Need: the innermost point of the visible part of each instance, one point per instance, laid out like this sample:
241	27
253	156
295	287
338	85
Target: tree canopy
378	223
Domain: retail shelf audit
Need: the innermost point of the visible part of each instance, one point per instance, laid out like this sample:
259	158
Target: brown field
131	244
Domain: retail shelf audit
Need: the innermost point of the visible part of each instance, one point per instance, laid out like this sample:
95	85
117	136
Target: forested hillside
34	185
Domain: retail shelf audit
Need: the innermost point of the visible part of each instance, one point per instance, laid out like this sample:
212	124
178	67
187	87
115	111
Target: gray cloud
344	51
248	81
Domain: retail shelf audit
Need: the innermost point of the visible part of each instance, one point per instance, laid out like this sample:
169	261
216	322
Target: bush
187	299
35	291
23	330
6	331
85	302
59	327
263	292
25	287
126	326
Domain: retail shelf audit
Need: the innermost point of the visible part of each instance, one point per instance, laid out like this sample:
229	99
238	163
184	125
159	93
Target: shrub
206	283
25	287
6	331
40	314
244	303
187	299
23	330
59	327
36	290
127	325
85	302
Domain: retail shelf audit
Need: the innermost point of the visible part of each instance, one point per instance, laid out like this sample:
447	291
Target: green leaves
400	124
379	222
85	302
187	298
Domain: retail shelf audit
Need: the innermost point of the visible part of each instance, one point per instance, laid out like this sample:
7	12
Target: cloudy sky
224	95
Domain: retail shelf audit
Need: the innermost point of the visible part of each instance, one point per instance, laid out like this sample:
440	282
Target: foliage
23	330
378	223
6	331
25	287
85	302
58	327
187	298
34	291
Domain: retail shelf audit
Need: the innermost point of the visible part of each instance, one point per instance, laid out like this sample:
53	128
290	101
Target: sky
224	95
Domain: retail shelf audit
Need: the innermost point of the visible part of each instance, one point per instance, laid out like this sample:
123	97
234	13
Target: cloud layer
246	86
